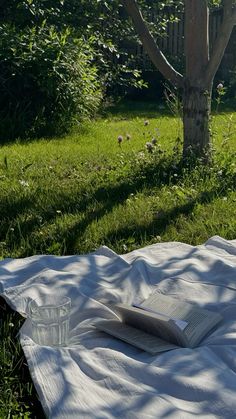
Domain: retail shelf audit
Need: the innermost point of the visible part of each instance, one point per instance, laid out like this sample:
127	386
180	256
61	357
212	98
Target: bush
47	81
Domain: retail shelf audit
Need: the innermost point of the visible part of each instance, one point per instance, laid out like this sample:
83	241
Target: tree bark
196	117
196	96
196	28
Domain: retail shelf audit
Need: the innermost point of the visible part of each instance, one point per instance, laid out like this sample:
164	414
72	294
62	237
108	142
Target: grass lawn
70	195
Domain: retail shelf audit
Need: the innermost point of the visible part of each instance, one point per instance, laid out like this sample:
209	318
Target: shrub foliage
47	81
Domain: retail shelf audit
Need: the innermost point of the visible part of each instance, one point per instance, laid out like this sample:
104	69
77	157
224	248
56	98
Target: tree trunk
196	119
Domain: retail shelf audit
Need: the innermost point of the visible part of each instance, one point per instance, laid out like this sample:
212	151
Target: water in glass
50	321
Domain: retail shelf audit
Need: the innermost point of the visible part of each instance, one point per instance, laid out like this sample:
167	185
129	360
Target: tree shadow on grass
103	197
100	202
136	109
9	209
129	109
158	226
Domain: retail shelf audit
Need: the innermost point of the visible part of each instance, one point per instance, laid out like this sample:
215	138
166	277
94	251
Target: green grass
18	398
71	195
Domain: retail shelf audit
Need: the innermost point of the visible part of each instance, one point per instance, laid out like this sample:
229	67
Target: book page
180	323
199	321
156	324
135	337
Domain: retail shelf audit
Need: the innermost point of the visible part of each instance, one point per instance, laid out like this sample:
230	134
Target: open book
160	323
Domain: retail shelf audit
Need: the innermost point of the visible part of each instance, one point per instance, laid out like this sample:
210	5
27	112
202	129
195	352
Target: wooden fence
172	43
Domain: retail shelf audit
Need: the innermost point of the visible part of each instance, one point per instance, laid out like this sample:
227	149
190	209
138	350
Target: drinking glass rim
57	302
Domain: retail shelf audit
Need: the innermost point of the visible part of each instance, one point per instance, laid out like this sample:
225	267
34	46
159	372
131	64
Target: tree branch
234	15
155	54
229	20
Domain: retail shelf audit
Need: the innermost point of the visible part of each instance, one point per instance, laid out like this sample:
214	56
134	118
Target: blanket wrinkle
100	377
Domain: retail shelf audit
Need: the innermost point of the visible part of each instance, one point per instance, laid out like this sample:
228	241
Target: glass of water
50	320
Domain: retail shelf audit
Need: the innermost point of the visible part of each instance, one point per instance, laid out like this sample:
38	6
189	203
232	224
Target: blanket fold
101	377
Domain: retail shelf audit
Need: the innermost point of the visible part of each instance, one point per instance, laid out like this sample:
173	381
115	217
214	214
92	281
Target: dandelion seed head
120	139
149	146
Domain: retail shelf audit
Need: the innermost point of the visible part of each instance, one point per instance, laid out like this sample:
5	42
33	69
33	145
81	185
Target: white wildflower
24	183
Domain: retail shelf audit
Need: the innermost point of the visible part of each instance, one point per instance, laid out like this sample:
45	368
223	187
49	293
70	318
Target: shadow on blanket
102	377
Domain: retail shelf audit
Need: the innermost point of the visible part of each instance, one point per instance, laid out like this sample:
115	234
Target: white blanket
98	376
